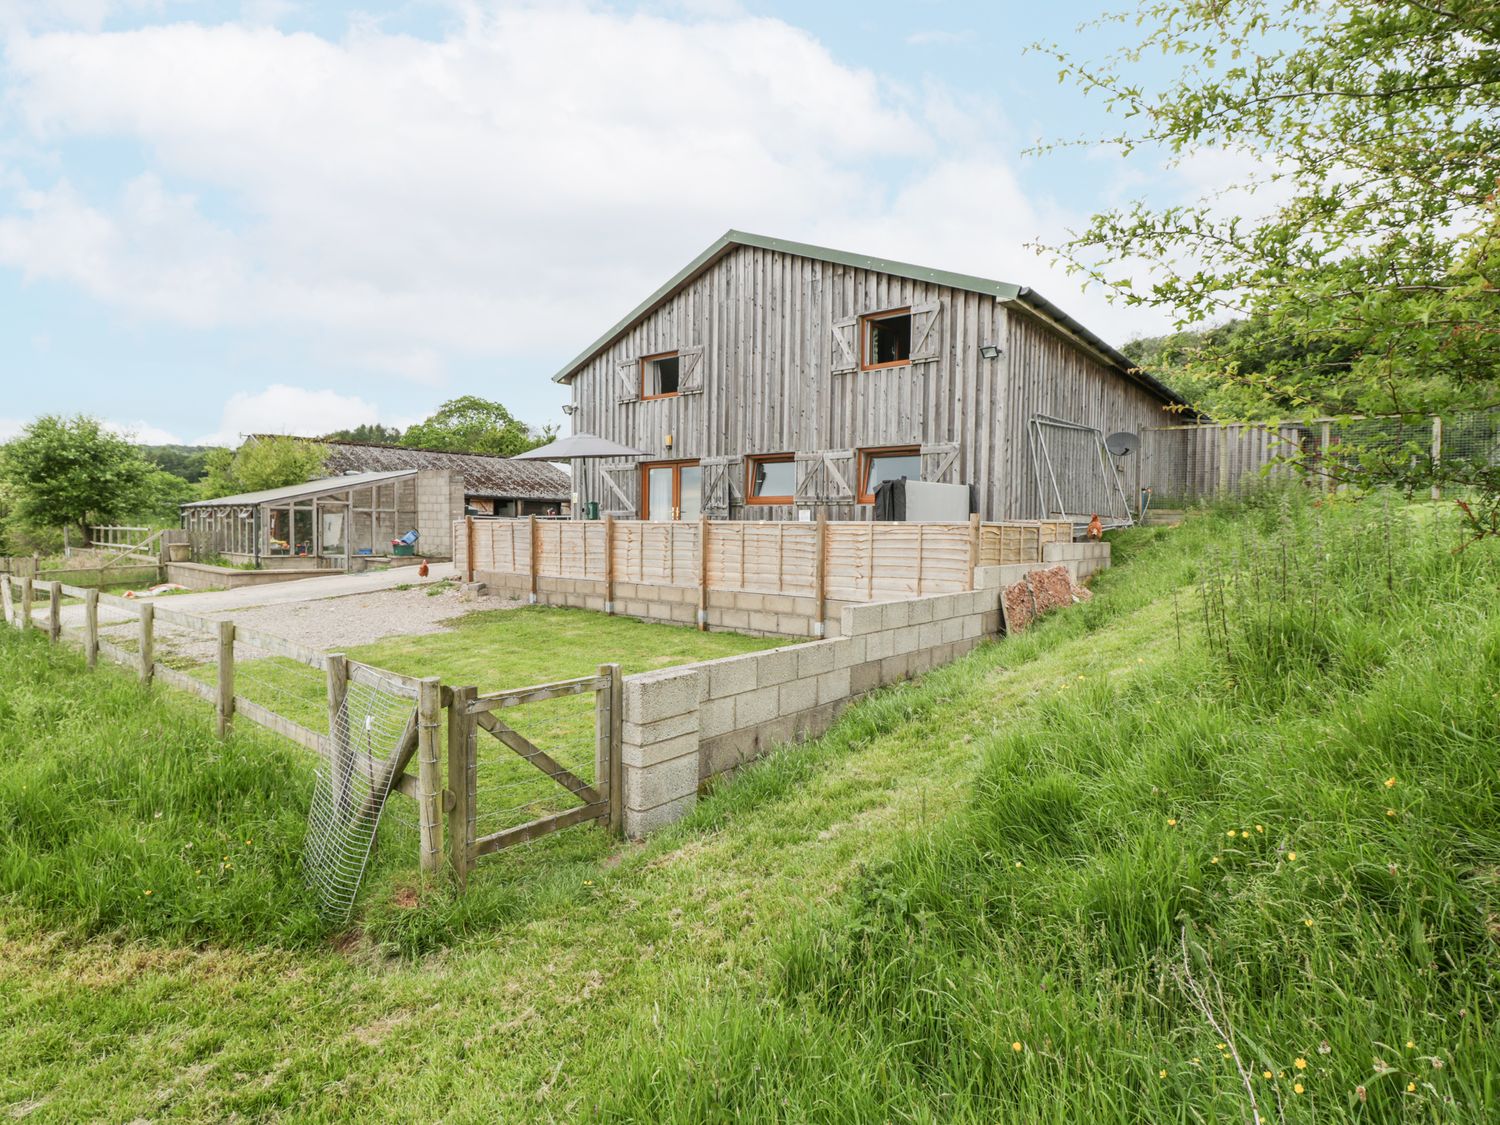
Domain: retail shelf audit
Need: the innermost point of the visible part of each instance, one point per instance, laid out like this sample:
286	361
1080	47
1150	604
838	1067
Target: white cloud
143	433
501	193
10	427
280	409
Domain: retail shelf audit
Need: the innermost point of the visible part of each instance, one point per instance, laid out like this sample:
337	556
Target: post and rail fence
366	726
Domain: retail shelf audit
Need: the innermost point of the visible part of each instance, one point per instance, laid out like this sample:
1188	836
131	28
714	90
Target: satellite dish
1122	443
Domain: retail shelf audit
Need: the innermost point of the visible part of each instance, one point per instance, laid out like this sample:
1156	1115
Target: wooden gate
471	713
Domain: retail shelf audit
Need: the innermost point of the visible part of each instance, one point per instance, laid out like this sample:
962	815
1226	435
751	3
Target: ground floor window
876	466
772	479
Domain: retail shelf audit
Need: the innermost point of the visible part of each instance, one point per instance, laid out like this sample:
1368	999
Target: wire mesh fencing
1176	466
372	729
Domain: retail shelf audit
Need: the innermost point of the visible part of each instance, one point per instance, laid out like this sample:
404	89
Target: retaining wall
1083	559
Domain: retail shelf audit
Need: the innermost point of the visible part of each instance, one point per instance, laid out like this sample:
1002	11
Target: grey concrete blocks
651	696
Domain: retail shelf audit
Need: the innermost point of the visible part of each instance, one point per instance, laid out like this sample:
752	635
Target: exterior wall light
990	351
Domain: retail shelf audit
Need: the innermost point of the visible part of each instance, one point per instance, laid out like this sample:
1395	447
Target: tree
185	461
1370	130
369	432
470	424
260	464
71	472
1375	127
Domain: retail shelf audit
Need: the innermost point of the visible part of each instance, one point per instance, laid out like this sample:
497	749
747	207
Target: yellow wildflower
1390	783
1409	1044
1411	1087
1231	833
1307	921
1292	856
1260	827
1300	1064
1297	1088
1016	1046
1214	860
148	892
1265	1074
1171	822
1161	1074
1390	812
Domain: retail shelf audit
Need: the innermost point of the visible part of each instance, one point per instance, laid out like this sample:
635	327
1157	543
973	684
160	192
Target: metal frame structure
1116	507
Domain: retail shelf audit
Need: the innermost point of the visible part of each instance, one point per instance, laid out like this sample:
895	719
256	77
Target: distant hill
185	461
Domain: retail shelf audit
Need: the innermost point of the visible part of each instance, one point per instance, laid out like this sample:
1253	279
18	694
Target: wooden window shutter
839	476
630	379
940	463
809	478
690	371
623	483
845	347
721	485
926	332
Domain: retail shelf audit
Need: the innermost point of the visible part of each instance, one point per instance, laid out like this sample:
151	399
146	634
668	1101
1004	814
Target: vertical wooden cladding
766	323
1048	373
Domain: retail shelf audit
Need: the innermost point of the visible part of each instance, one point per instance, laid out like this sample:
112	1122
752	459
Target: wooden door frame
676	467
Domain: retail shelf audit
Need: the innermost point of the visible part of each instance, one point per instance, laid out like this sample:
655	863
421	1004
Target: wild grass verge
1260	881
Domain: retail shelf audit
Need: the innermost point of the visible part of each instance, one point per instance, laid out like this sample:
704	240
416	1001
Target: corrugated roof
1002	290
309	488
498	478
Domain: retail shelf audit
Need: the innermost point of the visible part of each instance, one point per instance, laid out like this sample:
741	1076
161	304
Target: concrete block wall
1090	558
440	501
719	714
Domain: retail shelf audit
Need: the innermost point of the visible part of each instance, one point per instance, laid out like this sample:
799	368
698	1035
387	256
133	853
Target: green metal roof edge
1002	290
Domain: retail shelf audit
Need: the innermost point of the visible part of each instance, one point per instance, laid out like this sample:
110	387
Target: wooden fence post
225	700
609	564
469	548
1437	454
973	548
1223	460
1325	438
28	595
429	780
91	627
820	575
535	564
609	720
463	771
7	603
146	646
54	611
702	574
336	675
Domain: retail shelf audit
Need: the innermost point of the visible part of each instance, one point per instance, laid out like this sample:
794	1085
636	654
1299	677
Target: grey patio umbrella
579	445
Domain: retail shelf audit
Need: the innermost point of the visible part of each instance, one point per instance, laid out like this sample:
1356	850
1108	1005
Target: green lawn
843	934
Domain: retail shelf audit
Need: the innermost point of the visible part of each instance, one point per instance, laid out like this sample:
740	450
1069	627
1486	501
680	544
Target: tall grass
1262	879
122	814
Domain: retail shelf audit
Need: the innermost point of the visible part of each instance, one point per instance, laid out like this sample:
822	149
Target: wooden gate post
429	780
973	549
609	719
54	611
224	701
28	595
469	549
146	644
463	771
91	627
336	673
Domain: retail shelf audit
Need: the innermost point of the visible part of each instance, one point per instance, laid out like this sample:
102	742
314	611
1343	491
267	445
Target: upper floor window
659	375
886	339
772	479
876	466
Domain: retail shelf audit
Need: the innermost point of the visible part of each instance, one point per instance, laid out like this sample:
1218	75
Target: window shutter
940	463
630	379
809	478
838	476
623	483
926	332
845	352
721	485
690	371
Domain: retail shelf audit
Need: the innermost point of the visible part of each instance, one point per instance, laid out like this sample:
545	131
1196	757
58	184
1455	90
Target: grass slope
842	933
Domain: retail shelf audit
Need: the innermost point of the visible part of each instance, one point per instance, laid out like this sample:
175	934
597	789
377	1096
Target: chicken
422	570
1096	529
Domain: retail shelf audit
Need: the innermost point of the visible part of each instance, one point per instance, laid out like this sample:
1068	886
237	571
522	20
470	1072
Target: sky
226	218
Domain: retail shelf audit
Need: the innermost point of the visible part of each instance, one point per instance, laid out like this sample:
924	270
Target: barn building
770	379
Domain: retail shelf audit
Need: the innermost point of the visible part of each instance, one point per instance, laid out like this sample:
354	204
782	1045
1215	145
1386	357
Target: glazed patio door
672	490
